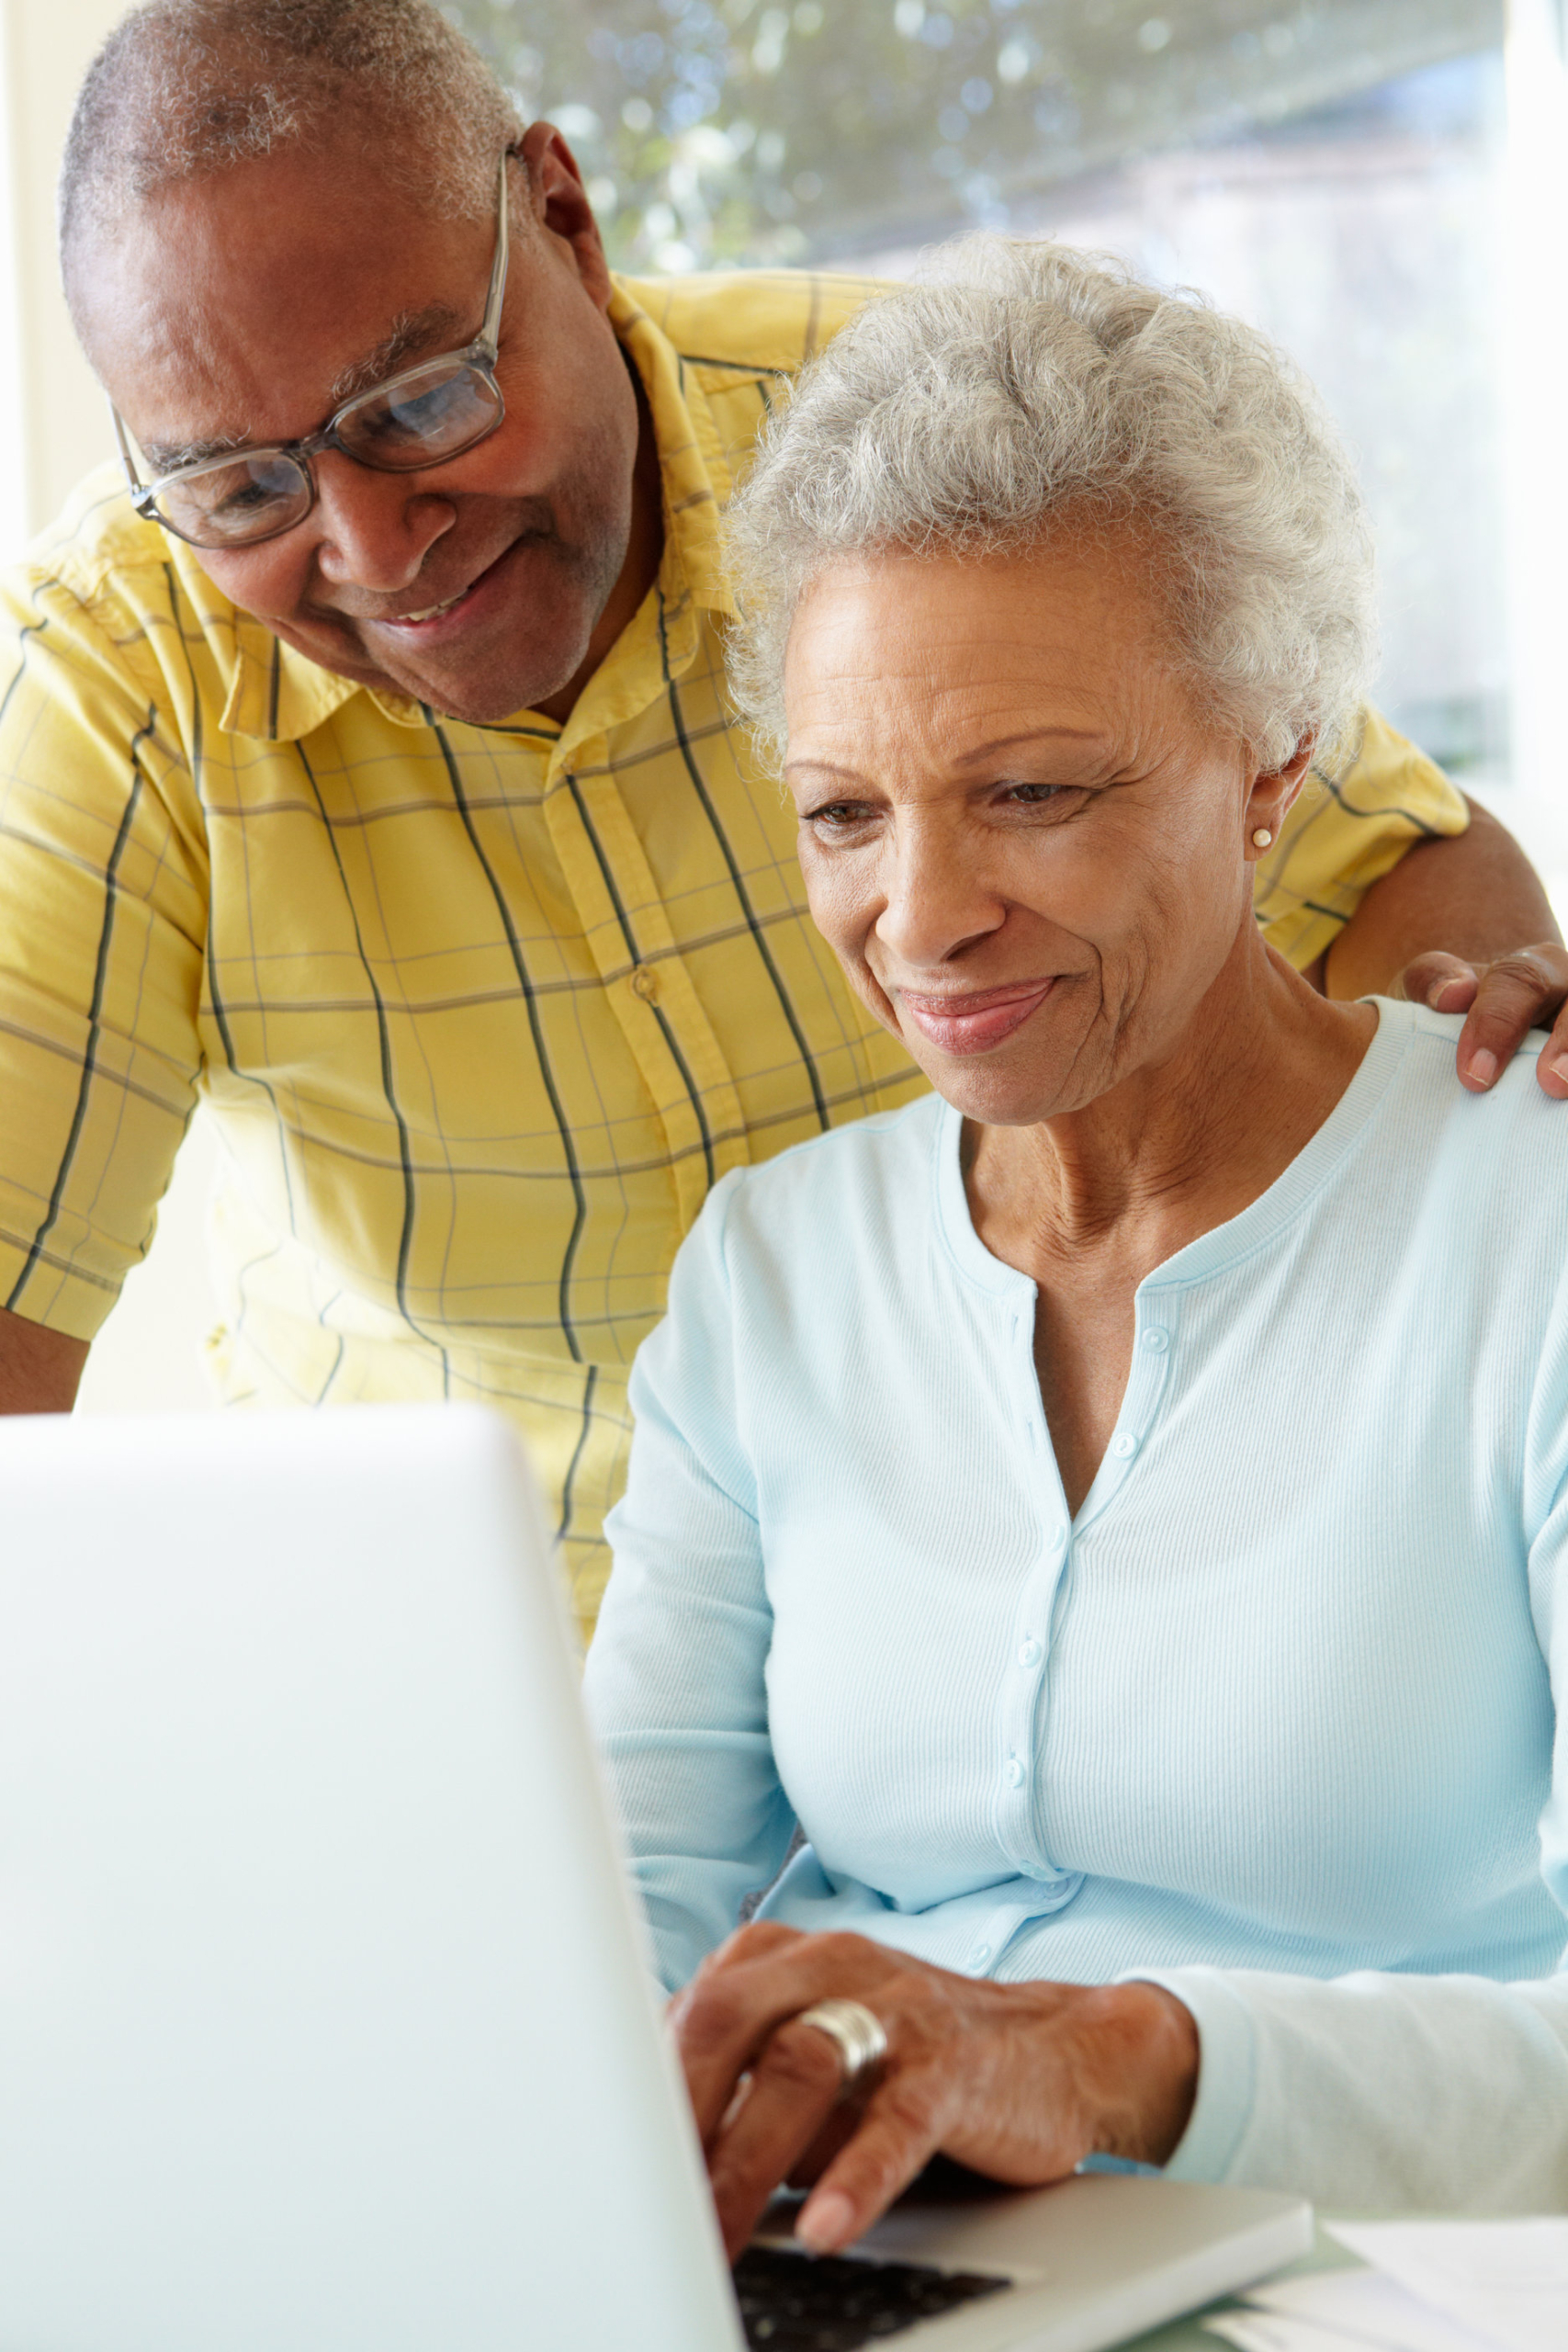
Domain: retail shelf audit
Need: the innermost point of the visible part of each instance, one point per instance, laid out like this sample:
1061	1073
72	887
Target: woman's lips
974	1022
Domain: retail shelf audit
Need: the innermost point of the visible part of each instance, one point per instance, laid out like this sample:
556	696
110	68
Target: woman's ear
1273	792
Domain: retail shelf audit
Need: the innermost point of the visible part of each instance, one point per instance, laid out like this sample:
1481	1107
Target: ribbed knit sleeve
1448	2094
1376	2092
675	1685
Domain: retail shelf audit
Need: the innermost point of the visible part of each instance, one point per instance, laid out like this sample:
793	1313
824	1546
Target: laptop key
800	2303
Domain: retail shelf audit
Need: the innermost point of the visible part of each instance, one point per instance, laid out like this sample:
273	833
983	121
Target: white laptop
324	2020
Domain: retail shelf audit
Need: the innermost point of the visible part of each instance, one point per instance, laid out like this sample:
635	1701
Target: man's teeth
431	610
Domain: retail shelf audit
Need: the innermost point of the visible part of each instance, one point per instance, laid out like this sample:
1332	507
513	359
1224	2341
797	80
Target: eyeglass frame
481	356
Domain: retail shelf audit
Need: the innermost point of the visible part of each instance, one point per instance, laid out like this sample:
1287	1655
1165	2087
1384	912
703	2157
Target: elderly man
368	774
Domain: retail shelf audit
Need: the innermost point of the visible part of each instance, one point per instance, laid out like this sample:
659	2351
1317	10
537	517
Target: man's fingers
1444	983
1552	1068
1503	1001
1516	994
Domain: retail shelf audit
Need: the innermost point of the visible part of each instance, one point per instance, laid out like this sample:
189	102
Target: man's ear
560	206
1272	795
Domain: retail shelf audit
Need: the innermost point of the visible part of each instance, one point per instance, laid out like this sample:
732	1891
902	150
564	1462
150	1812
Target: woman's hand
1018	2081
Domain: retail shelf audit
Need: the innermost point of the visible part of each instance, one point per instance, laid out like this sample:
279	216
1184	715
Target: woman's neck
1181	1144
1089	1203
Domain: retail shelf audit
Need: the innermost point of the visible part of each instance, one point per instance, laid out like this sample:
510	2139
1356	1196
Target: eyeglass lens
425	416
429	413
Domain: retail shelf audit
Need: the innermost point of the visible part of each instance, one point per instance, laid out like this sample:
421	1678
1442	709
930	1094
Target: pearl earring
1262	837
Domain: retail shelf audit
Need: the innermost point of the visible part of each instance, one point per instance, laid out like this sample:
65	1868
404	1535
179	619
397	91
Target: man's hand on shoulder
1443	929
1505	1000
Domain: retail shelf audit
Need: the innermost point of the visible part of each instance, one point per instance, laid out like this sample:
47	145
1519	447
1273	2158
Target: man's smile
436	620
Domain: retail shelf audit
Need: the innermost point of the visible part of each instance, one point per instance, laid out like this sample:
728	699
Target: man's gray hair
1028	385
184	88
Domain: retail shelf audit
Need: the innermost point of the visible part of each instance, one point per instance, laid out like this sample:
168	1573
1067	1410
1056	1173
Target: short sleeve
1346	832
102	930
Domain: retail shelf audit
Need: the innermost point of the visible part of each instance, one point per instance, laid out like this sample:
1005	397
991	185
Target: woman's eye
1033	796
837	816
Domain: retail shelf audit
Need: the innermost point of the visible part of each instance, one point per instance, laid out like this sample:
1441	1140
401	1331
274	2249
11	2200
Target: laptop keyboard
803	2302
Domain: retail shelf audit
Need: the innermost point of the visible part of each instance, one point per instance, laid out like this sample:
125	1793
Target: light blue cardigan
1277	1708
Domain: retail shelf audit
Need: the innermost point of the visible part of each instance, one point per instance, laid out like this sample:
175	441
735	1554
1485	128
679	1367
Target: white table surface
1186	2335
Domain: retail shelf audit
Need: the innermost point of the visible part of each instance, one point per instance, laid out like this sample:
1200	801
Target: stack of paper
1432	2286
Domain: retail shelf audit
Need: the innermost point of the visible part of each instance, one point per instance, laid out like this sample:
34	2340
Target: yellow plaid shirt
480	1012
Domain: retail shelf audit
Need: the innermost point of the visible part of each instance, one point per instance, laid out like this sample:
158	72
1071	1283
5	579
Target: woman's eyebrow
823	768
974	757
996	744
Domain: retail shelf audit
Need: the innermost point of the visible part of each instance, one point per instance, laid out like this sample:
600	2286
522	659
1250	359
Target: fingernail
1558	1066
826	2221
1483	1066
1443	989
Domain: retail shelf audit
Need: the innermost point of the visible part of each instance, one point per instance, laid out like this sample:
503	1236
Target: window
1333	171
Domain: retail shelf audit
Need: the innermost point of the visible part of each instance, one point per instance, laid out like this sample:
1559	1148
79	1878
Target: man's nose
374	530
940	894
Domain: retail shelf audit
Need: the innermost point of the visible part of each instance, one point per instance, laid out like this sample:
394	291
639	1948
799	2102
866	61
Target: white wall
47	46
148	1357
1535	365
53	427
13	462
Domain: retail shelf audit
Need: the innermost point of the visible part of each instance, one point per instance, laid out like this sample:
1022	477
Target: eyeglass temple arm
137	487
493	299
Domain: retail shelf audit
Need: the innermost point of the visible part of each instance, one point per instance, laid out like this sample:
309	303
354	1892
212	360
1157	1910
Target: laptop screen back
323	2016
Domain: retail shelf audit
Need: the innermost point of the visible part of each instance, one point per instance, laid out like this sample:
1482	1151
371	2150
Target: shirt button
1029	1652
1058	1539
1015	1772
980	1955
646	984
1124	1446
1156	1339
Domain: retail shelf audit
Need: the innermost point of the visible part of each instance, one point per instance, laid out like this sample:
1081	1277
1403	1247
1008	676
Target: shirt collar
278	695
692	461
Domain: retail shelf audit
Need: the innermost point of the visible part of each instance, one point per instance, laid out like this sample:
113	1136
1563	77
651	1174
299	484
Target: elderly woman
1172	1737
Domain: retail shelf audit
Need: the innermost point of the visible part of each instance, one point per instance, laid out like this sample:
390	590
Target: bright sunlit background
1381	185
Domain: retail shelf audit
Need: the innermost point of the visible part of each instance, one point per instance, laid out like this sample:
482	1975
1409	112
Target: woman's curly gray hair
1027	384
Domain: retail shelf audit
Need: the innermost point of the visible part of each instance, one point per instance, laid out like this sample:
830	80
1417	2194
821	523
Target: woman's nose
940	897
375	529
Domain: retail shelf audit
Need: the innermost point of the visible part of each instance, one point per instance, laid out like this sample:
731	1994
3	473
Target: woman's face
1019	833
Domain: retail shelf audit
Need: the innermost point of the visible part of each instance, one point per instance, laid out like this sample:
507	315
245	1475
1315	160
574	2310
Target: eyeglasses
420	417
